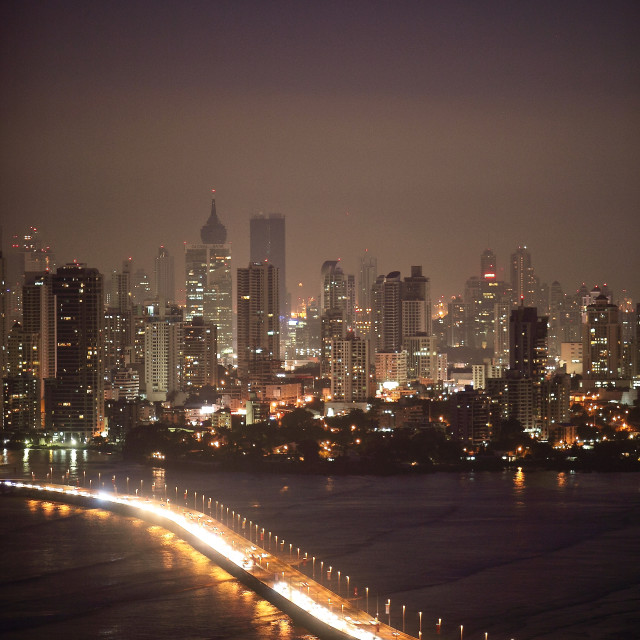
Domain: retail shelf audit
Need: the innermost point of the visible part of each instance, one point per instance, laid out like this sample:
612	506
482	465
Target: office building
164	277
602	340
77	408
208	281
267	244
258	325
350	369
200	355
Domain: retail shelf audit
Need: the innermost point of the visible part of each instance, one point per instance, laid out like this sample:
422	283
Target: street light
367	590
403	609
387	610
420	626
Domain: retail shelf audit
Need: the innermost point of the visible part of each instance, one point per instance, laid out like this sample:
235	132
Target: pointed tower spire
213	232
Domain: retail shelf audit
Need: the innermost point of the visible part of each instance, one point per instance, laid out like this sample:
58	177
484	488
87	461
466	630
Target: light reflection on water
477	549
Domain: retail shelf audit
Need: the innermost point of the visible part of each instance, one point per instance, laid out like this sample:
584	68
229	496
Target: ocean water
521	555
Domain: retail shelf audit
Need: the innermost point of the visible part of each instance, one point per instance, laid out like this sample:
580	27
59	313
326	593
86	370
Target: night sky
424	132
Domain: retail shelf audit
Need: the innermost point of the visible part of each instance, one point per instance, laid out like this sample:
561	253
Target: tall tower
267	244
602	340
258	323
22	381
200	355
78	393
416	304
163	356
528	343
27	254
488	268
522	276
164	277
208	281
366	278
350	369
335	309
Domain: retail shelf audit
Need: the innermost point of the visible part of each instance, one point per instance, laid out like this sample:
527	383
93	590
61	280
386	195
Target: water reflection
519	481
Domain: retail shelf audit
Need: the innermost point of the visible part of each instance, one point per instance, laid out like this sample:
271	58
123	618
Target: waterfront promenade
278	572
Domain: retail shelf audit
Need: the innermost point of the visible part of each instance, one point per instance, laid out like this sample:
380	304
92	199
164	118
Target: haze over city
423	132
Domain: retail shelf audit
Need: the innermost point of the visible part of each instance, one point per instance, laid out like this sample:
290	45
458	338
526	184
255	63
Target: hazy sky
424	132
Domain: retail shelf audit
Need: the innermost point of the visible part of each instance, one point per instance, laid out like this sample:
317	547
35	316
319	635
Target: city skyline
423	134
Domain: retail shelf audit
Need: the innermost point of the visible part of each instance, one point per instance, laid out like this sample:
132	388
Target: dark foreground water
515	555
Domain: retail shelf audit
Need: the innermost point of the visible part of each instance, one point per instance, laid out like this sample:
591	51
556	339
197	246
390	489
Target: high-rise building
22	382
336	307
392	313
27	254
163	356
141	291
349	369
422	357
164	277
522	277
488	268
469	411
77	408
208	281
267	244
258	324
400	309
416	304
200	354
367	275
458	323
528	343
602	340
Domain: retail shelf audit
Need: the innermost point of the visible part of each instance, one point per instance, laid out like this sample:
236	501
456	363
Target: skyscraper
78	392
488	268
27	254
367	275
528	343
522	277
258	324
22	382
164	277
163	356
416	304
200	354
349	369
602	340
267	244
208	281
336	308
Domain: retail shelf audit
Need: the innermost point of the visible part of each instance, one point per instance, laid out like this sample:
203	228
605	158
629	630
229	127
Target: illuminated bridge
307	601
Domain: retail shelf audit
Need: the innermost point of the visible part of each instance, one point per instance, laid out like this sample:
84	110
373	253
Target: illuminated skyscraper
208	281
336	308
488	268
163	356
22	381
602	340
258	324
78	393
350	369
200	354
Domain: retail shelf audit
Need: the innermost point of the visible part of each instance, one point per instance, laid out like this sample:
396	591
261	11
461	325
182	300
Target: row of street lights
239	523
